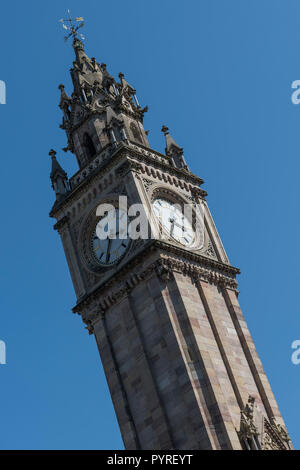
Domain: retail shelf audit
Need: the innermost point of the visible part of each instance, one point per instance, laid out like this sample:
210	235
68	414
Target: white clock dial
173	221
110	250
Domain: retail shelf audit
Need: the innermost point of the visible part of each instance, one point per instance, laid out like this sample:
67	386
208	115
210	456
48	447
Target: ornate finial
52	153
94	62
72	27
173	150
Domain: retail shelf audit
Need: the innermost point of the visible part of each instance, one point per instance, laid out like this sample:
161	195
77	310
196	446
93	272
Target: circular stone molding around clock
185	231
95	257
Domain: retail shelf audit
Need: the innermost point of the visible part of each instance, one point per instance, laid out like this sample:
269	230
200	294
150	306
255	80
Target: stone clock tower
180	363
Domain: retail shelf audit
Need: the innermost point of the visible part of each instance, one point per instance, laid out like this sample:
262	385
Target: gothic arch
89	146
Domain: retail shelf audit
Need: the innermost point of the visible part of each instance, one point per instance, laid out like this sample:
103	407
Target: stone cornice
103	168
86	166
170	260
61	223
142	155
197	258
100	154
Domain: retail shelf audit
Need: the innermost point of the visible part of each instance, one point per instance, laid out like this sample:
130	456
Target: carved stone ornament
163	271
126	167
248	433
147	184
61	223
123	282
275	436
210	251
261	434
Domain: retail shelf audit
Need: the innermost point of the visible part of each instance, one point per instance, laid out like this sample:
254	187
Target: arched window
135	132
89	146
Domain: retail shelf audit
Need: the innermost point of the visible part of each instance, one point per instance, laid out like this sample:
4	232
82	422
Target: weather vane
72	26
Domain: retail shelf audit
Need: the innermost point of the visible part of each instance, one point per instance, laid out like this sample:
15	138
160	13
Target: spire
125	84
125	87
80	53
97	99
63	95
173	150
58	176
85	71
88	75
56	168
170	142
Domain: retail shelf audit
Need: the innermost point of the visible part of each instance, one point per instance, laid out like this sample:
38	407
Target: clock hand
180	226
172	227
108	253
175	223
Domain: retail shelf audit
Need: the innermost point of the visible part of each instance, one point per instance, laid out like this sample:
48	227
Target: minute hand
178	225
108	248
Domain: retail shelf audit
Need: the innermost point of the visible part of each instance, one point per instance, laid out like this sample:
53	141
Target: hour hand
172	227
177	224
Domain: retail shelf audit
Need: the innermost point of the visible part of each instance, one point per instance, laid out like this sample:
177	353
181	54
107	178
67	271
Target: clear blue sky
218	74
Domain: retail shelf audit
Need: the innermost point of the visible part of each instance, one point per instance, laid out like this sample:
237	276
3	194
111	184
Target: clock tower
180	363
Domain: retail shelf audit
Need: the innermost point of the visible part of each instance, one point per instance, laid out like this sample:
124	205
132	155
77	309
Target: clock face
174	222
109	250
